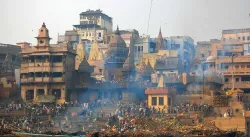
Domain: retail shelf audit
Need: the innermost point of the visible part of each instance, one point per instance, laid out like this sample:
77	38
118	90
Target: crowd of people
121	117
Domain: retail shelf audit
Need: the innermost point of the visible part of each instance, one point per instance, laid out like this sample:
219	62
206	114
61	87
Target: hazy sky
200	19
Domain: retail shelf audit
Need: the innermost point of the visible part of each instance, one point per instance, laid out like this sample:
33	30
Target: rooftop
203	43
95	12
229	31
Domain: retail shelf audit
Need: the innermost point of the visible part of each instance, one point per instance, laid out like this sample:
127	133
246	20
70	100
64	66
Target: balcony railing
32	64
41	79
24	65
237	71
59	79
38	79
27	80
24	80
242	84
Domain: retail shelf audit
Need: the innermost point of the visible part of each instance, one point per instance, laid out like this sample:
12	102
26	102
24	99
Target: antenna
149	15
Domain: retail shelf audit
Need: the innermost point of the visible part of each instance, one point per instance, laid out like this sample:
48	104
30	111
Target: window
100	70
154	101
238	38
169	101
237	79
57	74
161	100
226	67
39	74
40	91
242	66
99	34
56	58
56	93
31	75
248	37
248	66
237	66
243	38
226	79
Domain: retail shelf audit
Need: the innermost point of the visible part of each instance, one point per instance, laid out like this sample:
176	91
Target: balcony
24	65
236	71
30	79
38	79
24	70
42	69
238	59
237	49
59	79
32	64
243	84
46	79
27	80
57	64
24	80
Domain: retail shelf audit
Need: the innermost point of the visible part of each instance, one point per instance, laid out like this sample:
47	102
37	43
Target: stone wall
228	123
198	98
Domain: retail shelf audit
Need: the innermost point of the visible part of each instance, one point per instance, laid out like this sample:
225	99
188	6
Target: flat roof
229	31
95	12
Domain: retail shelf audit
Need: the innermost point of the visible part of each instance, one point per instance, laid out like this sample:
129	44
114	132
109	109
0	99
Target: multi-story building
185	47
9	59
9	66
232	63
240	34
46	70
94	24
143	45
203	50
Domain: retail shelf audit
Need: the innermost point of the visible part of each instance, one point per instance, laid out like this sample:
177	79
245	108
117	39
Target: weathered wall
194	98
233	123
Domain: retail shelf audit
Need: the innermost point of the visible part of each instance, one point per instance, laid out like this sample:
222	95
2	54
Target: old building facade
46	70
94	24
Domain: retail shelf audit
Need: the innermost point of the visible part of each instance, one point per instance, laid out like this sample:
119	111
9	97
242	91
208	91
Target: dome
211	59
117	51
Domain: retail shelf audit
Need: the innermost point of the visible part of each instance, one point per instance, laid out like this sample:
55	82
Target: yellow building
153	57
161	97
80	51
46	70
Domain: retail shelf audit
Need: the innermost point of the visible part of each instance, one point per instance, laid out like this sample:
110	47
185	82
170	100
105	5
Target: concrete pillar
35	93
23	93
46	90
63	92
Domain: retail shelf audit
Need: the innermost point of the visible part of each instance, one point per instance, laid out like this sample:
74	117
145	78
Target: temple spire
117	32
159	42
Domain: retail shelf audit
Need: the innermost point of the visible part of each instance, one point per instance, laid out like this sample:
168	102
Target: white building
240	34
